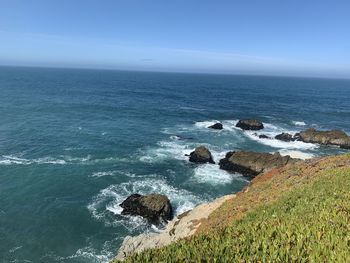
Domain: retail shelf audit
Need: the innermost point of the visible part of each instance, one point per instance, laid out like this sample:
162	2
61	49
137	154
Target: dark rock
201	155
333	137
263	136
153	207
286	137
252	163
216	126
297	137
250	124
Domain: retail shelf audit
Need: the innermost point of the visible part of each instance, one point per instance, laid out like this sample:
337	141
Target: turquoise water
75	143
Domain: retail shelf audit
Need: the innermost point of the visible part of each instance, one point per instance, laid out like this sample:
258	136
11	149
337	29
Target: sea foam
109	199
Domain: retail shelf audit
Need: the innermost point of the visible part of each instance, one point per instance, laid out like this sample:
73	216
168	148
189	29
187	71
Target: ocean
75	143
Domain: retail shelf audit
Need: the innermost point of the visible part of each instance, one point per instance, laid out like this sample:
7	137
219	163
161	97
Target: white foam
176	149
271	131
228	125
299	123
91	255
211	173
297	154
175	137
10	159
12	250
111	197
63	160
101	174
205	124
281	144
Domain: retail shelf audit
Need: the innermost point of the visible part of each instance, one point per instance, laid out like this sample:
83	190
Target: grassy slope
298	213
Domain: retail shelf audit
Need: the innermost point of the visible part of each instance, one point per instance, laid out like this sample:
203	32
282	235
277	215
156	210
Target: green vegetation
309	223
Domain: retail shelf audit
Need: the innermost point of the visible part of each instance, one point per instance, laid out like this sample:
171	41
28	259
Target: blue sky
274	37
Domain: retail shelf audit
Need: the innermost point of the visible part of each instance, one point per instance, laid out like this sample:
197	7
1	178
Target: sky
264	37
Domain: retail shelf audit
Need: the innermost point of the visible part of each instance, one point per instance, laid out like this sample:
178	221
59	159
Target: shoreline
264	190
181	226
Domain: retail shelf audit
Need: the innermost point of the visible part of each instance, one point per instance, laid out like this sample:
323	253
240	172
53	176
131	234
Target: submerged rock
333	137
153	207
201	155
252	163
263	136
250	124
216	126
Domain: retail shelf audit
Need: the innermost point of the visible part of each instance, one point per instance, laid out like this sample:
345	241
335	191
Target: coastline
182	226
265	188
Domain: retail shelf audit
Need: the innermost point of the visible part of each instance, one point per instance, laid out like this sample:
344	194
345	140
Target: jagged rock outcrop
333	137
201	155
250	124
153	207
252	163
286	137
216	126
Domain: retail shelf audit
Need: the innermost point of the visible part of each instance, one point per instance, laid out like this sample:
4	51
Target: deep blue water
75	143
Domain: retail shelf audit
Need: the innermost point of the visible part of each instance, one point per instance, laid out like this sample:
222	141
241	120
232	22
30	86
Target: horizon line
175	72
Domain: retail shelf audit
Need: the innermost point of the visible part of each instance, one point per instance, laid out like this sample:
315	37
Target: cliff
297	212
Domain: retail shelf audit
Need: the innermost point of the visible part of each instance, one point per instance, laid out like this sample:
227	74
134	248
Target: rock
333	137
153	207
286	137
252	163
201	155
297	137
216	126
263	136
250	124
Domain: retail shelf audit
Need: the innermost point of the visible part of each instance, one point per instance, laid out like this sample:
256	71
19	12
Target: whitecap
10	159
299	123
191	108
176	149
101	174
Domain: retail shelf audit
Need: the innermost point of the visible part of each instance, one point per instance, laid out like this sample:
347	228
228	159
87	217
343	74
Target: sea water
75	143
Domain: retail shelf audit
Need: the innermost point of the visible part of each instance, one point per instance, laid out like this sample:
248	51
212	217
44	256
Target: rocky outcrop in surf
333	137
201	155
250	124
216	126
153	207
286	137
253	163
262	136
